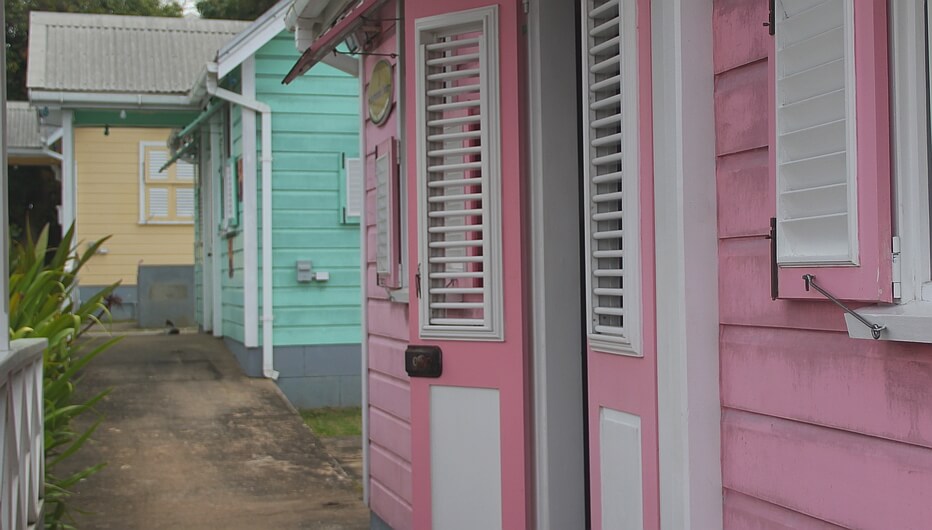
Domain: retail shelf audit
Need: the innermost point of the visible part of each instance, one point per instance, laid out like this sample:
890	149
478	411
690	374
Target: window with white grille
166	196
459	183
354	190
610	133
815	143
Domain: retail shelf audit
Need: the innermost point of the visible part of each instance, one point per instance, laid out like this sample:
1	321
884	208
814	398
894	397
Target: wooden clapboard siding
307	219
818	429
387	336
107	168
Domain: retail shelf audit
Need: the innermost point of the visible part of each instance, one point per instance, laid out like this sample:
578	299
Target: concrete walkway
191	443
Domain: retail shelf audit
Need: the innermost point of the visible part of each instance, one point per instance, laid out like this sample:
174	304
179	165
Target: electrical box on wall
304	271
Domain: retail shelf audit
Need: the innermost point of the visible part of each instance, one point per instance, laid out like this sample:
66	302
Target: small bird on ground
172	330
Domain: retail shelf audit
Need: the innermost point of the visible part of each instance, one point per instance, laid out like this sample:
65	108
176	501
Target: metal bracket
876	329
774	268
771	23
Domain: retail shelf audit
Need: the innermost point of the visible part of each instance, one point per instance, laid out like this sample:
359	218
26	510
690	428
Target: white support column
68	188
250	210
687	265
216	198
5	220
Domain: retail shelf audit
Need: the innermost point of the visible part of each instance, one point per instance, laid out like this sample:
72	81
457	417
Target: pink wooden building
601	242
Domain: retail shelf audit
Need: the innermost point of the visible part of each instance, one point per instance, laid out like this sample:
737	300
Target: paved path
191	443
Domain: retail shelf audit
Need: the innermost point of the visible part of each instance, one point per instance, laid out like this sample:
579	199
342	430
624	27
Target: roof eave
255	36
105	100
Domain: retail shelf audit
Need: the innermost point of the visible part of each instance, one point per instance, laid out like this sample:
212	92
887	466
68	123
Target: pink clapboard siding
819	430
389	407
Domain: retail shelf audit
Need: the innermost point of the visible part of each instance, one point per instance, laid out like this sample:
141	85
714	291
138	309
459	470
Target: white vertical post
250	210
5	213
689	410
67	170
216	198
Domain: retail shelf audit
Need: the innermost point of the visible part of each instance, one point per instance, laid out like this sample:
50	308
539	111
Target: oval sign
379	92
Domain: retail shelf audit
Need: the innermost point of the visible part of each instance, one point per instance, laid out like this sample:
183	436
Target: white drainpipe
268	365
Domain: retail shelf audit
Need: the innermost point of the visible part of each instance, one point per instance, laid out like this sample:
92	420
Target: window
165	197
387	216
459	187
911	318
353	190
830	149
610	139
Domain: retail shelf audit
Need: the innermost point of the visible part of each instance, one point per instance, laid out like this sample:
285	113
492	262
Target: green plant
42	284
329	421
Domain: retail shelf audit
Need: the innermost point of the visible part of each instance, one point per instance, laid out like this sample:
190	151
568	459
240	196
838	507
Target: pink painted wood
498	365
629	384
872	279
819	430
389	402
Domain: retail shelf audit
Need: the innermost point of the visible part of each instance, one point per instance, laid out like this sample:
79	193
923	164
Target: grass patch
328	421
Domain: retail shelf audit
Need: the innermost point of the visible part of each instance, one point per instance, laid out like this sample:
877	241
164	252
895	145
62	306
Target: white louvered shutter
229	199
387	222
458	170
611	174
355	187
815	155
158	203
184	203
184	171
157	159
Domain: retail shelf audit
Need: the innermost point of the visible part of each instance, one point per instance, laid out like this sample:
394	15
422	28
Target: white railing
22	464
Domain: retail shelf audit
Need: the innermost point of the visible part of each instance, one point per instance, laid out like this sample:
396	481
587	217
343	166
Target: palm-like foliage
42	285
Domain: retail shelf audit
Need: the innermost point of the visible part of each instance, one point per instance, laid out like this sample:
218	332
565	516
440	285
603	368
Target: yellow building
121	192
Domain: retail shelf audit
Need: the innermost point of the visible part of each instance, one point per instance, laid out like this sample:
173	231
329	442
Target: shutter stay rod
875	328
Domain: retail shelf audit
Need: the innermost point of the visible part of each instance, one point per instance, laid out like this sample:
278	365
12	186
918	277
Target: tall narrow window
387	216
611	173
353	190
459	187
816	137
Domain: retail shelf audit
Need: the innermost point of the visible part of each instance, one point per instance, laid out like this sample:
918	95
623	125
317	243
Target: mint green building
278	204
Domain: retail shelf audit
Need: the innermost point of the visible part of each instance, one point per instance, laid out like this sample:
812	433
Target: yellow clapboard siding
107	170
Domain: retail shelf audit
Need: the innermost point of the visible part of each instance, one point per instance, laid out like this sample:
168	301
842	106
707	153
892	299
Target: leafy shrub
42	283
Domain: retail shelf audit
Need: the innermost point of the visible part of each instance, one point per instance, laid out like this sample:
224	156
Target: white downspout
268	365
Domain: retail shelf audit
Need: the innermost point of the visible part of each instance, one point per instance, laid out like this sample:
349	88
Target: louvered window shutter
355	189
158	203
184	171
611	173
229	197
831	156
459	187
157	159
387	221
184	203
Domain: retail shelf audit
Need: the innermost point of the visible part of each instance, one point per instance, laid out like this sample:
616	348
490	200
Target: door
469	425
618	260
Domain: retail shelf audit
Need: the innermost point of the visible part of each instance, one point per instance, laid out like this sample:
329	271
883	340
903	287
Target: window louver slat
184	202
184	170
610	126
815	151
459	246
158	203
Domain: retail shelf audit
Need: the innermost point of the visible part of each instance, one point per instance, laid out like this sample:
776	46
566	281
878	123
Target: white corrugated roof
122	54
22	126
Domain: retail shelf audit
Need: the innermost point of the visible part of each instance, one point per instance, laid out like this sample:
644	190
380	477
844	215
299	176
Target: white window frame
909	319
493	328
401	295
172	183
630	343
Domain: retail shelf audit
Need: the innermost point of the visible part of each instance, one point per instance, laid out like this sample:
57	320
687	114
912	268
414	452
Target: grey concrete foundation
310	376
166	292
126	293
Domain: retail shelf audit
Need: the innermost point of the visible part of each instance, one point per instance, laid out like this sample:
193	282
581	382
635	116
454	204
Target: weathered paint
818	429
624	383
391	490
107	168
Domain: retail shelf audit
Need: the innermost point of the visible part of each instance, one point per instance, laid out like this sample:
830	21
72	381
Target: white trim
364	291
95	100
251	39
630	342
68	172
493	327
4	228
250	208
556	329
204	218
688	406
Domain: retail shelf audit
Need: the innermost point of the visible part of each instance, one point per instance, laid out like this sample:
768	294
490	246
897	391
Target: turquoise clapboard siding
315	124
